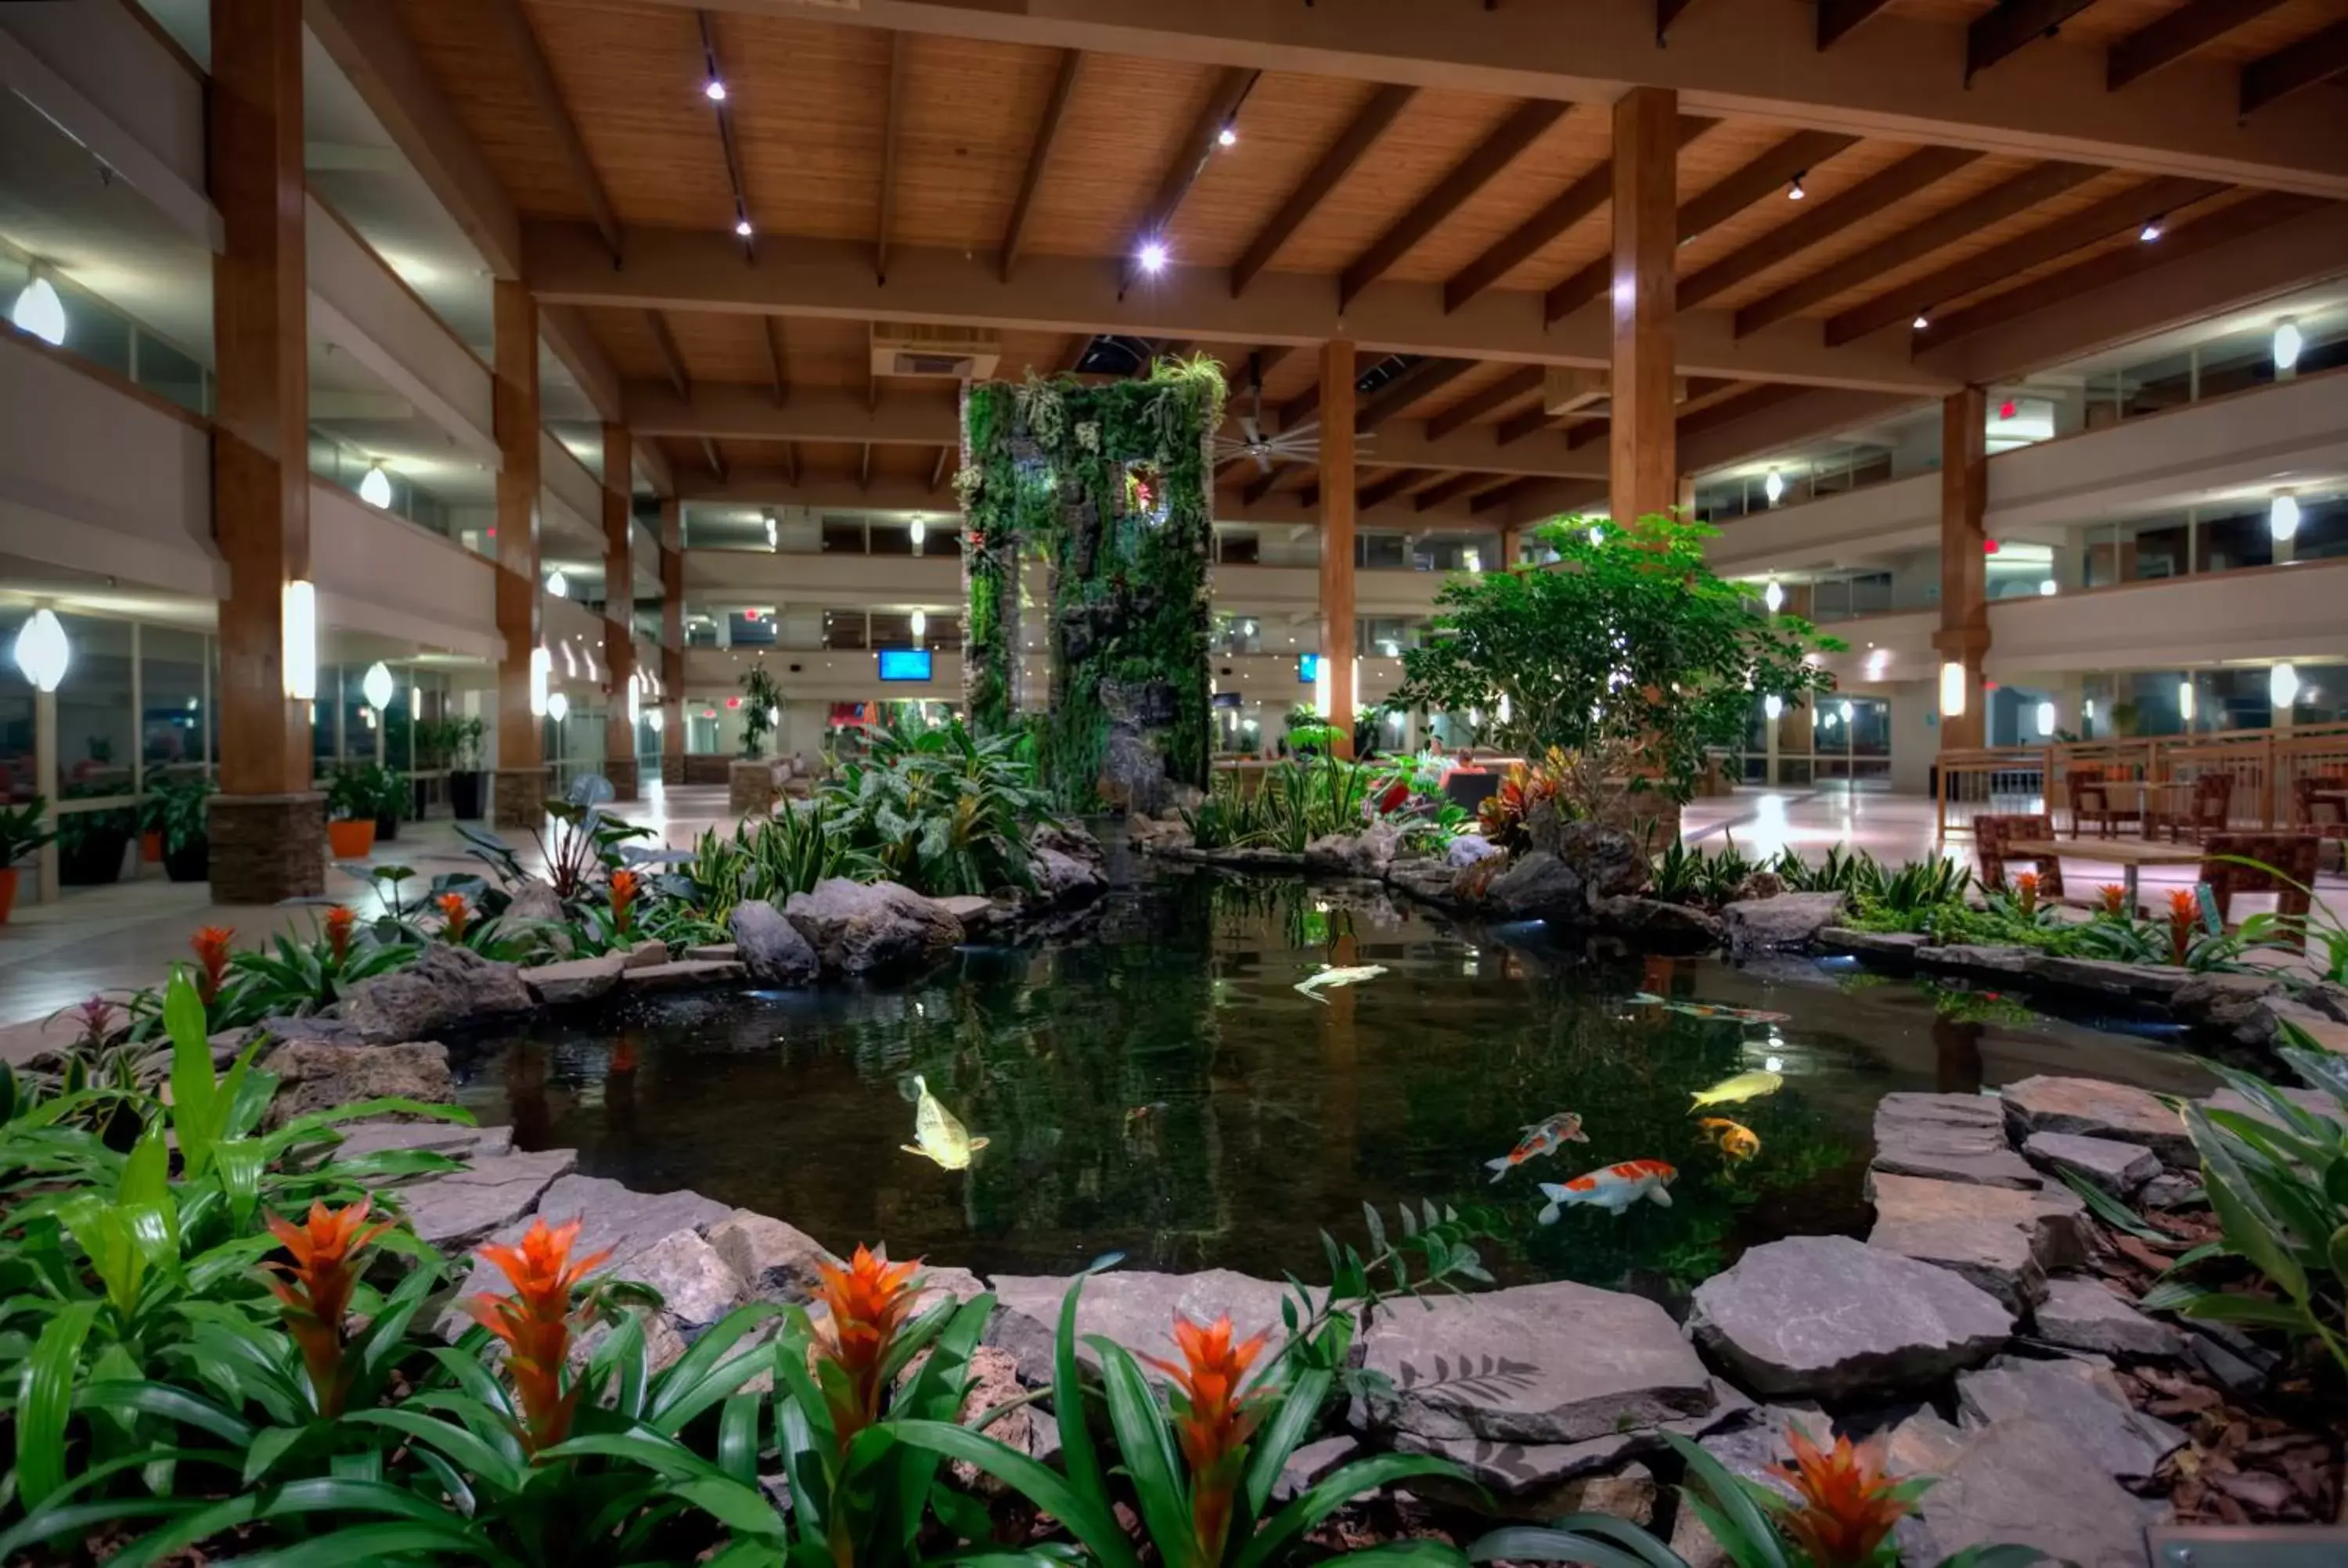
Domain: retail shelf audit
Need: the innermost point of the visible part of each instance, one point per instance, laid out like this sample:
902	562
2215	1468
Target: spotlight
1795	192
2287	343
1153	256
742	227
1227	137
2149	232
1923	320
714	91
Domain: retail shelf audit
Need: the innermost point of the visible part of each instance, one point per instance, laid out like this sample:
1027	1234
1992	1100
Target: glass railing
2218	367
342	465
62	313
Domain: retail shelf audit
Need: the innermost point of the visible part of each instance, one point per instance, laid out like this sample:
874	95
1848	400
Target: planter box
749	788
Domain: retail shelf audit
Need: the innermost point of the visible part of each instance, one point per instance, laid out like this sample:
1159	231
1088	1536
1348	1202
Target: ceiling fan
1302	445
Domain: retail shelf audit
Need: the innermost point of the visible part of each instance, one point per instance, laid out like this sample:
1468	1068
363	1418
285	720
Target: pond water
1157	1087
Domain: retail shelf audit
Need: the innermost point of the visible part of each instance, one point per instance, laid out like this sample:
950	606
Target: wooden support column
1642	452
267	825
672	542
1337	536
619	614
522	735
1963	637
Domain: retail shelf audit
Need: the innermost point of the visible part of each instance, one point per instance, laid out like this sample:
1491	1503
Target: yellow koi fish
1749	1085
1733	1139
1310	985
937	1135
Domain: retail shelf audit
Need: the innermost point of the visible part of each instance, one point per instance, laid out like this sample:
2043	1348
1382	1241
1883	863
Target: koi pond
1158	1086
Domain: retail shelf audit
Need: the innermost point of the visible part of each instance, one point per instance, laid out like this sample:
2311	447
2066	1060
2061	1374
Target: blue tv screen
904	663
1308	668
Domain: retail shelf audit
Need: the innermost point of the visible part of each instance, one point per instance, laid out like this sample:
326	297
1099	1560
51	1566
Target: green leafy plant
939	810
350	791
21	832
1295	801
579	859
178	807
762	698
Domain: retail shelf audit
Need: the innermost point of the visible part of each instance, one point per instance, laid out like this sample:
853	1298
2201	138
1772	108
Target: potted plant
90	844
180	811
457	743
21	833
350	811
390	801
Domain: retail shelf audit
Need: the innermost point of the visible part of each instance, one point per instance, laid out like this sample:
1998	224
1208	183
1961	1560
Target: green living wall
1110	486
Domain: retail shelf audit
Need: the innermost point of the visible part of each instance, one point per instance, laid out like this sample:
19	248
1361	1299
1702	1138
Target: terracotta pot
352	839
7	892
151	846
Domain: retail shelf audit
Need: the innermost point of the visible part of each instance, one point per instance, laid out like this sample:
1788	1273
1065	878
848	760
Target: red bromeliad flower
316	1290
339	922
536	1322
868	1301
96	1016
624	894
212	951
2025	891
1214	1420
2184	914
452	916
1849	1504
2114	898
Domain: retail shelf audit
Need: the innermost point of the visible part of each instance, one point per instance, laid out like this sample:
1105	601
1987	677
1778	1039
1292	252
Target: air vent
935	353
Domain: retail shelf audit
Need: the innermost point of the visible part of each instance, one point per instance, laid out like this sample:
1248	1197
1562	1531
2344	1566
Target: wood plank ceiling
595	112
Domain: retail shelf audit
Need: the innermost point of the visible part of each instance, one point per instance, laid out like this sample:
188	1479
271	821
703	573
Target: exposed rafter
938	468
2022	191
1263	484
2013	27
1517	427
1837	17
1825	219
2167	39
1385	101
538	78
1222	107
709	455
1427	376
1306	403
1039	156
722	113
1443	490
2115	215
2287	71
782	382
1523	126
1666	13
1522	382
1394	484
892	121
1501	495
672	362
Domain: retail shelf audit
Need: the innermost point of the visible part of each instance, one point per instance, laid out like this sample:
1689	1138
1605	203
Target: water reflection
1161	1089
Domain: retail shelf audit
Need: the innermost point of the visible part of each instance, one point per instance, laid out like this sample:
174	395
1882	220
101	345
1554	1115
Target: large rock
2017	1481
626	1222
444	987
1423	876
649	953
2144	982
1365	853
1608	860
2082	1400
2099	1110
1064	862
1788	920
458	1141
776	1262
1950	1138
1540	886
314	1076
697	1285
2117	1168
1653	923
533	899
2236	1004
858	929
465	1208
2004	1239
574	980
2087	1314
770	947
1893	945
1831	1317
682	975
1134	1309
1555	1363
1468	848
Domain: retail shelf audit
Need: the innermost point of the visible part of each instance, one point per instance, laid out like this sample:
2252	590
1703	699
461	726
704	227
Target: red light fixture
2005	409
731	703
1989	547
709	713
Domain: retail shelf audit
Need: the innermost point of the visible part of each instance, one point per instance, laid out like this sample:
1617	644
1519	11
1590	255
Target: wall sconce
297	614
1953	691
541	673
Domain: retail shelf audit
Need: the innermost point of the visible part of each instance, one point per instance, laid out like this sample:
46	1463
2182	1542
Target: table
2129	854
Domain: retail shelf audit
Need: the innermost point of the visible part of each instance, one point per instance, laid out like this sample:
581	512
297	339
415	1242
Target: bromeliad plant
942	810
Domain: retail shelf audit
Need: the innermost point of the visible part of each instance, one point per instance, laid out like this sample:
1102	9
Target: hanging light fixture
2282	685
42	651
542	675
559	585
375	488
558	707
1847	711
657	720
920	529
714	90
2184	699
635	700
2282	517
775	719
1773	487
920	626
414	699
39	311
2151	230
2047	587
1227	137
1598	533
1773	706
1795	192
376	685
742	228
2287	341
773	535
1773	596
2045	718
297	615
1923	320
1953	689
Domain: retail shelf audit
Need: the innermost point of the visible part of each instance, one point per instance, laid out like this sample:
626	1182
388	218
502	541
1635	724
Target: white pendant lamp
2282	685
39	311
2282	517
1774	706
559	585
375	489
1773	596
376	685
42	651
541	675
558	707
1953	689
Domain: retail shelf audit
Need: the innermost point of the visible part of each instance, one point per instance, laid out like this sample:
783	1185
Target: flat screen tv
1308	668
904	665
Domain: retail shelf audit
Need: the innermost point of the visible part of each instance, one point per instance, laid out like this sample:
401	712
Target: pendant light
39	311
376	686
375	489
42	650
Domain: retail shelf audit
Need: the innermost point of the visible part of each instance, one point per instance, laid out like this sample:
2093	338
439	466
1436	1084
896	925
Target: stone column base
671	767
267	847
623	774
520	798
749	788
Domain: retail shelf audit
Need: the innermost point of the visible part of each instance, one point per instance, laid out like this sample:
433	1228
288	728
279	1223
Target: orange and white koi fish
1733	1139
1719	1010
1614	1187
1540	1138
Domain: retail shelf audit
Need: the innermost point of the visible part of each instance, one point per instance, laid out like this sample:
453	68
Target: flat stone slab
2312	1100
2018	1481
2143	981
652	950
2087	1314
683	974
1526	1476
2082	1400
2013	961
1556	1363
455	1140
1830	1315
715	952
697	1285
465	1208
1133	1309
1950	1138
2098	1109
574	980
2107	1164
1992	1235
1875	944
970	909
1787	920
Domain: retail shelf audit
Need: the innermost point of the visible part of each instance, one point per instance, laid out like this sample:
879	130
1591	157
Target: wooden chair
2092	801
2284	859
2205	812
1993	833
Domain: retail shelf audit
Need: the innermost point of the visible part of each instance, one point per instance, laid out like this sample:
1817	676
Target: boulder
332	1031
612	1217
1832	1317
2004	1239
1874	944
1468	848
647	954
1788	920
533	899
972	910
2235	1004
2087	1314
1949	1137
1422	877
573	979
857	928
1539	886
1072	839
1547	1364
2099	1110
2014	1481
314	1076
682	975
1651	922
1134	1309
2082	1402
2169	1191
993	1381
2116	1167
465	1208
770	947
1365	853
1608	861
1312	1463
2144	982
775	1261
1757	885
444	987
697	1285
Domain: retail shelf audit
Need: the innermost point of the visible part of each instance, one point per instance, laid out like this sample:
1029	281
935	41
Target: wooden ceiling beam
1304	405
1523	126
2115	215
1220	109
1039	157
2167	39
1837	17
672	362
2302	65
892	121
1666	13
864	468
710	455
1427	376
2013	25
1443	490
1501	495
774	336
1263	484
938	468
1517	427
2018	194
1385	101
1522	382
538	80
1561	213
1394	484
1824	220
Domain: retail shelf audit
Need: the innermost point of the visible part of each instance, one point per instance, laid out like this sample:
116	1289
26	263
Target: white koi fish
1540	1138
937	1135
1311	984
1612	1187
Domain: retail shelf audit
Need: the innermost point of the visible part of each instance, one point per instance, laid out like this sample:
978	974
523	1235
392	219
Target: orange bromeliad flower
2184	914
536	1322
624	894
212	951
2115	898
1214	1420
2025	891
339	922
316	1289
867	1300
452	916
1849	1503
